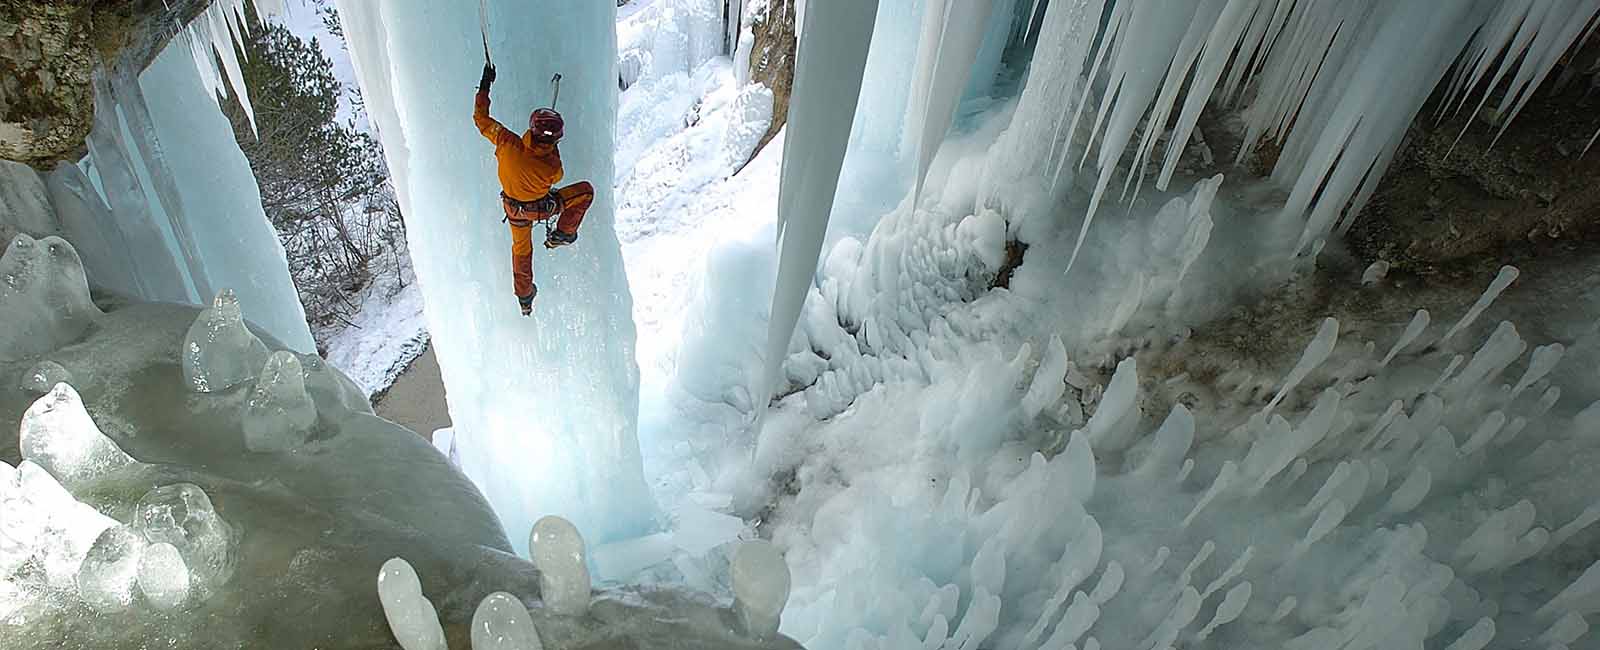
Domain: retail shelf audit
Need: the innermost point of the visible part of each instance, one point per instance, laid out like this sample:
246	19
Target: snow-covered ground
384	336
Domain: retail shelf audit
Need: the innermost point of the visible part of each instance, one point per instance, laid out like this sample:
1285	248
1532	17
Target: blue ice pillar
205	187
544	408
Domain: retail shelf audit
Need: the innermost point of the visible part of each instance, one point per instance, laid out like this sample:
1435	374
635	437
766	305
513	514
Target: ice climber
530	166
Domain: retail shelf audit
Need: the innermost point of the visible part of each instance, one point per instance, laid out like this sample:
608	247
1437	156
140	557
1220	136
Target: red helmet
546	124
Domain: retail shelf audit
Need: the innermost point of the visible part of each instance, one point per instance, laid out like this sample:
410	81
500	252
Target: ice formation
44	297
557	549
220	351
44	376
163	577
502	623
827	82
760	588
59	436
558	390
182	516
280	413
411	615
110	569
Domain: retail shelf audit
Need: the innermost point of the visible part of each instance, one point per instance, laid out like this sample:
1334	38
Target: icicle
1502	348
1585	519
1444	376
1565	630
1230	573
1219	46
959	39
1556	34
826	86
1507	275
1316	352
1411	492
1110	583
1485	432
1285	606
1383	423
1582	592
1374	273
1419	322
1230	608
1544	359
1224	480
1476	637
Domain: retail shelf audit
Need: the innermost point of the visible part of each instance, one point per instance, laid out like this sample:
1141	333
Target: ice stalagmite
182	515
163	577
501	622
44	297
559	390
760	588
280	413
43	376
412	618
58	434
220	352
827	83
559	553
110	569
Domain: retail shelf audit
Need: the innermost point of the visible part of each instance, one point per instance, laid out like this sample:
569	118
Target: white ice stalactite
958	29
827	84
1324	76
560	389
212	38
412	618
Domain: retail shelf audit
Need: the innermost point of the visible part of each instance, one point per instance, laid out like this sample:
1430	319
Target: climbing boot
558	239
527	302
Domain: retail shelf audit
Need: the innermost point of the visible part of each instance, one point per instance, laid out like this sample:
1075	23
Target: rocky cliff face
772	59
49	50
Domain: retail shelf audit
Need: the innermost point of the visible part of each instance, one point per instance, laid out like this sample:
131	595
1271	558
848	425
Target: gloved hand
488	78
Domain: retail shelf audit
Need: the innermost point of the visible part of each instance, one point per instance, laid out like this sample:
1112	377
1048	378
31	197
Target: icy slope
557	392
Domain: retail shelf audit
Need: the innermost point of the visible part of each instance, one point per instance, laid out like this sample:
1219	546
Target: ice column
545	407
216	199
827	83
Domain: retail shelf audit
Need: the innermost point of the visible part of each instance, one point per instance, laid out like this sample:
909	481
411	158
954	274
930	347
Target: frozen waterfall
544	408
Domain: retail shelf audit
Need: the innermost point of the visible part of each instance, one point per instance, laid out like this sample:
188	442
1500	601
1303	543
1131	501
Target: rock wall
48	52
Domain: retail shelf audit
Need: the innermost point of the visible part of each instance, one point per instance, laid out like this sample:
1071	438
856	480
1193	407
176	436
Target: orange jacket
528	169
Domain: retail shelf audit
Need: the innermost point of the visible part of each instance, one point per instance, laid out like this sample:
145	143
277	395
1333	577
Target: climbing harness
550	206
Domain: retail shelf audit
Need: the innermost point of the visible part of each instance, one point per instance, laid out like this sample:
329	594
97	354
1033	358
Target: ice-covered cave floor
311	525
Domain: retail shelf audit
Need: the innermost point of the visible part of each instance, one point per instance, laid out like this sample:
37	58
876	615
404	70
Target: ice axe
555	82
